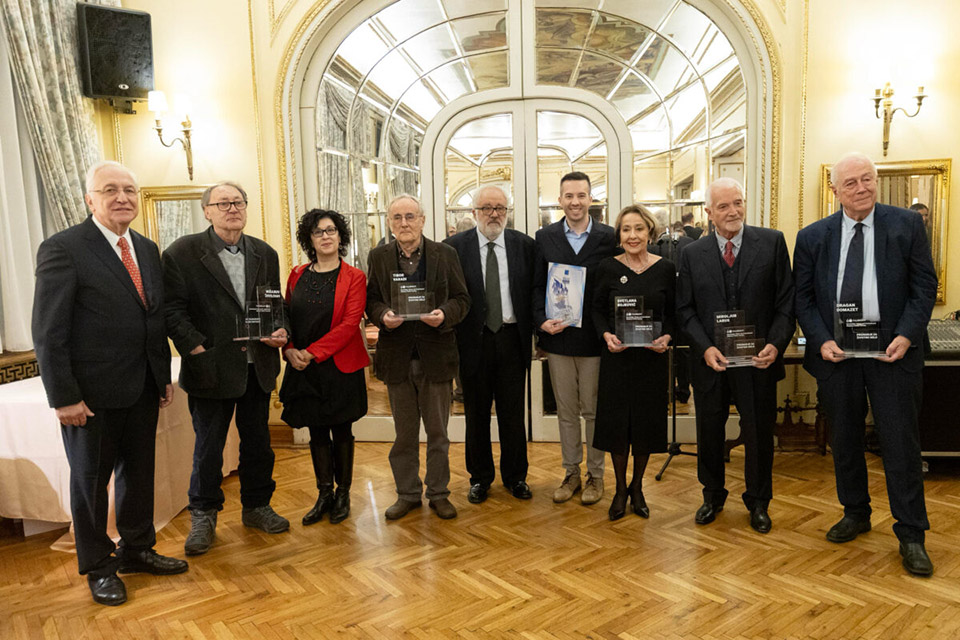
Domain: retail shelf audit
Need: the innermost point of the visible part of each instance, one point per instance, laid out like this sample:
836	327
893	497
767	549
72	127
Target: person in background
324	388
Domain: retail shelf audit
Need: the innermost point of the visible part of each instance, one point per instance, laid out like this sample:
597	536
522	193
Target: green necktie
492	285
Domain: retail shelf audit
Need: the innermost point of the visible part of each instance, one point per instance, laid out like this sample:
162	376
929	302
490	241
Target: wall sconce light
157	102
885	96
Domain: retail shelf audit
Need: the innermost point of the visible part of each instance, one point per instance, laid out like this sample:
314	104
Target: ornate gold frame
939	168
149	196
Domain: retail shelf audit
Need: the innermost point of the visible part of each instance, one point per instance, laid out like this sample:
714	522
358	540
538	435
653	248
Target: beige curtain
42	39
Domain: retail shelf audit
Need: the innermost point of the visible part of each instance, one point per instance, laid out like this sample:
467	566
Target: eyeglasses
112	192
409	217
319	233
225	206
499	210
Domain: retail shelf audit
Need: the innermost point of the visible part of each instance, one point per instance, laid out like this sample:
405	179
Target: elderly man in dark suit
573	353
494	342
877	259
738	268
209	278
100	340
417	357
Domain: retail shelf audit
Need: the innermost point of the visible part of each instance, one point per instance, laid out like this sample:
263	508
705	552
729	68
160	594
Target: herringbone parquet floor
512	569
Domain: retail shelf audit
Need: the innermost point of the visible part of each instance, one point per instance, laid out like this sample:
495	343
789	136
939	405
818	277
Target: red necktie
131	266
728	254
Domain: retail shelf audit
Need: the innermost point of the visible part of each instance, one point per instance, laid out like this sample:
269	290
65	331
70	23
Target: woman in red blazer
324	388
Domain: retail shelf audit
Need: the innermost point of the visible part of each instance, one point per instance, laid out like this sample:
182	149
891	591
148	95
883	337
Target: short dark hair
309	222
919	206
575	175
687	217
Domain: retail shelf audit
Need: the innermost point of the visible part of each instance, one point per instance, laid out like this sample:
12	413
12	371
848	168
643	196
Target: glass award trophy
736	340
410	298
634	326
857	337
565	288
263	315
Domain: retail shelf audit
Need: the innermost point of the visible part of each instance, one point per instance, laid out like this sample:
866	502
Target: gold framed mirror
902	184
172	212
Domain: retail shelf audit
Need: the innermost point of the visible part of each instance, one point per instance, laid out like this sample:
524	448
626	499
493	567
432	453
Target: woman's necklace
321	282
643	266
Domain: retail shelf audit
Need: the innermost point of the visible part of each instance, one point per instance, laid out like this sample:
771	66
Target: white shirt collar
737	240
112	237
483	240
849	223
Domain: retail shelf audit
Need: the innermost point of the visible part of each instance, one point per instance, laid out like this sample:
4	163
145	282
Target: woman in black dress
324	388
632	392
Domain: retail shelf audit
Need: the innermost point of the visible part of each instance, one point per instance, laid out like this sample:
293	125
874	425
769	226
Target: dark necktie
492	286
131	266
728	256
852	287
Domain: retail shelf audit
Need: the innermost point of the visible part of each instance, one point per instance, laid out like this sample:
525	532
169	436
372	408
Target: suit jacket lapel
211	261
148	274
880	249
712	264
101	248
560	238
252	260
832	242
471	254
748	251
513	274
432	266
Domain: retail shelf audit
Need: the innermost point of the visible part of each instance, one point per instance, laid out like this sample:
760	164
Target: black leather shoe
847	529
108	590
639	503
707	513
521	491
759	520
915	558
477	493
618	506
150	561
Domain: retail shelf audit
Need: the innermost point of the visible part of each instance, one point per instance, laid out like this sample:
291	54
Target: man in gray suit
209	277
417	358
105	363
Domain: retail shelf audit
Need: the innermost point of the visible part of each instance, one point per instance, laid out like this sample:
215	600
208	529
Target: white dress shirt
870	297
113	238
500	246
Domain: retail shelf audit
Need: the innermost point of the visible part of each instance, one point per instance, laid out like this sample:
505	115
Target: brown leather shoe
444	508
592	490
400	508
568	488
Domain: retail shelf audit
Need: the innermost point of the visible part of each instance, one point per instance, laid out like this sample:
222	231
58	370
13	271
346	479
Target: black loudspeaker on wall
116	52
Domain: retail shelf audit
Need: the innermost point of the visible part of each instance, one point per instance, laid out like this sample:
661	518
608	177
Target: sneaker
203	525
265	519
592	490
567	489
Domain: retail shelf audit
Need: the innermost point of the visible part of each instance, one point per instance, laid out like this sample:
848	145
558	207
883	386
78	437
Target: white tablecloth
35	475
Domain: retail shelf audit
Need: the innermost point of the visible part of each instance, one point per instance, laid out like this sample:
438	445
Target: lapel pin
623	279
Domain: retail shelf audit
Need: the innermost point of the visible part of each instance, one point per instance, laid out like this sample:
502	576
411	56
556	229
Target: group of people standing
106	302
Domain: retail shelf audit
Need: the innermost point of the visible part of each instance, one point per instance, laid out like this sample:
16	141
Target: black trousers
211	422
121	442
754	392
501	377
895	396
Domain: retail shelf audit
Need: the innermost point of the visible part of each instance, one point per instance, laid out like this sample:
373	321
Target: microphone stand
673	447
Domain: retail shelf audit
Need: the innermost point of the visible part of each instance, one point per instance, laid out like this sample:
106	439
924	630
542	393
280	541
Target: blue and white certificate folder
565	289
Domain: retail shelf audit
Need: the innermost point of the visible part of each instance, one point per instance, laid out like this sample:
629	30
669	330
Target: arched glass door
439	97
